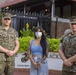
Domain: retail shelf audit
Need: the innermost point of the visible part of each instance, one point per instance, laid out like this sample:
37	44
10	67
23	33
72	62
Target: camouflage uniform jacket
7	40
69	49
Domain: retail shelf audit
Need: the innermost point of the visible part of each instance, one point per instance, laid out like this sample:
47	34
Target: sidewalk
26	72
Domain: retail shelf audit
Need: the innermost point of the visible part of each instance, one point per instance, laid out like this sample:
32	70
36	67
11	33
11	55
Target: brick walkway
26	72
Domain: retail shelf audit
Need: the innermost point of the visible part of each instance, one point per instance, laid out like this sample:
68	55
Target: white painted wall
54	62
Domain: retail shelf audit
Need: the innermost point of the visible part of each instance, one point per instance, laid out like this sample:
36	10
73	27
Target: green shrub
24	42
54	44
26	32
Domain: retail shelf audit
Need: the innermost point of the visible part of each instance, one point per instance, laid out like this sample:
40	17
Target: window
57	11
67	11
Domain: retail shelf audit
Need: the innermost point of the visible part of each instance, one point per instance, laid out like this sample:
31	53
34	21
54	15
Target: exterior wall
6	3
2	1
61	27
55	72
26	72
21	72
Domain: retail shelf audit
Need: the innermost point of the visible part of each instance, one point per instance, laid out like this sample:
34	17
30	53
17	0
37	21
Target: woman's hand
36	65
39	64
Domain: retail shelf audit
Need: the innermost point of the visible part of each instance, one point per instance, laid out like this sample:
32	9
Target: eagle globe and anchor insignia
25	58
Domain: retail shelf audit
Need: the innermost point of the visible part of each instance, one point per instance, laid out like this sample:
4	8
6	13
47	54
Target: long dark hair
43	41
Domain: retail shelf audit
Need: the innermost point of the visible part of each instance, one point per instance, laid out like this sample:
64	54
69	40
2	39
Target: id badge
37	59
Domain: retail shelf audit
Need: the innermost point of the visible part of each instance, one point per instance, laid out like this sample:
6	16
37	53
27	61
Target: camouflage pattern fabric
6	68
69	49
7	40
68	73
67	32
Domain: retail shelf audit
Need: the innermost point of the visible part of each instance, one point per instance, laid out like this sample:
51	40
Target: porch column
24	8
53	8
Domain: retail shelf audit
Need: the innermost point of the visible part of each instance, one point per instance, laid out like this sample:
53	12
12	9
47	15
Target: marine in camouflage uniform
68	47
67	32
7	41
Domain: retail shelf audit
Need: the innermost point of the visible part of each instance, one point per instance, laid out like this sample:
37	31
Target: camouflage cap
68	31
73	19
7	15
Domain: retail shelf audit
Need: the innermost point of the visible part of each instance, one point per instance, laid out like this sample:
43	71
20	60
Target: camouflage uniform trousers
6	67
68	73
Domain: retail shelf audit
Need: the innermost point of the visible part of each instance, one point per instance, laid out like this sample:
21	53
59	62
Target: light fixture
7	8
46	10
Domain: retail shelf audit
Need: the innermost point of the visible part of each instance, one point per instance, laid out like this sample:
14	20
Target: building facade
59	11
61	8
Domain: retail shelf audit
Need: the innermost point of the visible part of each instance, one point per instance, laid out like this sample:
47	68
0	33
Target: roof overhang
73	0
6	4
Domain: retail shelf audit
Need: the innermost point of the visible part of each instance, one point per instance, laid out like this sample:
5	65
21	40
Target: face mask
38	34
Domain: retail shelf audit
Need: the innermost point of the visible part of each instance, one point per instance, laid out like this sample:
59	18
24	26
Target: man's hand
67	63
10	53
